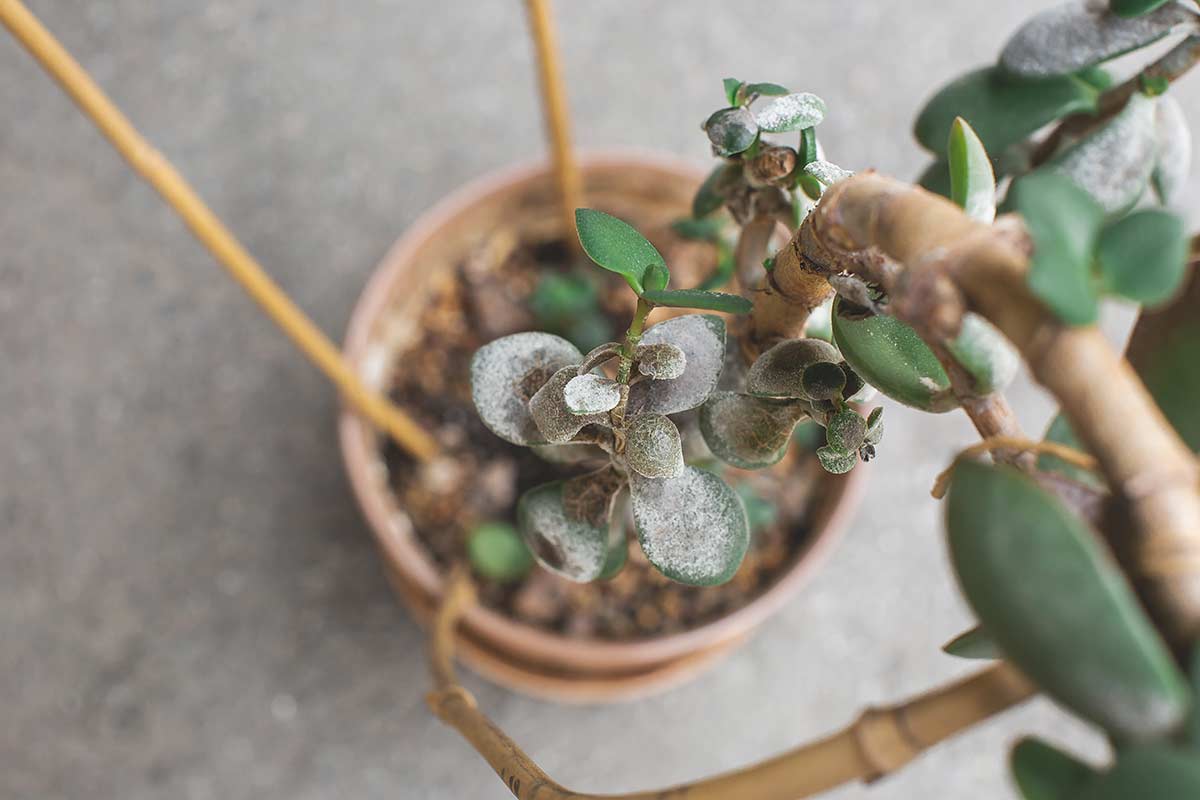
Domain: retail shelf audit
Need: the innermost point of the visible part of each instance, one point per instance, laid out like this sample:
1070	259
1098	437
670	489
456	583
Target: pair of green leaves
739	93
1153	772
617	247
1077	256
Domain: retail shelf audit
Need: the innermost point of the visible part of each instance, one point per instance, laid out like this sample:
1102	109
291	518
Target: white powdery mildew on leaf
567	547
701	337
1076	35
653	446
692	527
827	172
730	130
554	420
1174	161
986	353
746	431
791	112
663	361
1113	164
505	374
591	394
779	371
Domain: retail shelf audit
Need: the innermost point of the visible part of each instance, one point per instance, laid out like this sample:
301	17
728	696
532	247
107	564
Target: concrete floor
190	606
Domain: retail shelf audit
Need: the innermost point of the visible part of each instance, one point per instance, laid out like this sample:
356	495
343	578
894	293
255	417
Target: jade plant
1078	552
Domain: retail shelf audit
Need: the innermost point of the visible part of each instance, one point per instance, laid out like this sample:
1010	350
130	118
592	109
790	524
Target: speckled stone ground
189	603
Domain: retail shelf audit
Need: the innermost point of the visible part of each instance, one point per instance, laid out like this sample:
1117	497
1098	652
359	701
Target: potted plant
1079	553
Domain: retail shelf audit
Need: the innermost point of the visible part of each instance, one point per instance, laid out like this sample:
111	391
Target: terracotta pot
651	188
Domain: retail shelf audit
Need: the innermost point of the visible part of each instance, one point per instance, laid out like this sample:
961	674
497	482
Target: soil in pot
514	283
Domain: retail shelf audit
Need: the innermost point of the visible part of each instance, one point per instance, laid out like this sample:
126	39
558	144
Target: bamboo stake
558	123
881	741
154	168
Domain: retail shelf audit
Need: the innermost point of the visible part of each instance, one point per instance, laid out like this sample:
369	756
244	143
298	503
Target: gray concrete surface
189	603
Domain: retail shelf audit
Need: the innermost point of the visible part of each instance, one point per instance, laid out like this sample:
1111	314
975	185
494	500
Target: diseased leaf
662	361
731	131
653	447
599	355
496	551
835	462
1002	109
892	357
974	643
1143	256
809	150
506	373
1113	164
827	173
1063	222
1015	547
845	431
972	182
825	381
779	372
1081	33
764	89
616	246
791	112
590	497
568	547
1174	161
875	426
984	352
699	298
618	542
551	413
1151	772
701	337
692	527
1043	772
591	394
748	432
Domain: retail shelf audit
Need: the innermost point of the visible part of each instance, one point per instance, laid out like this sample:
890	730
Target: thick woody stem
751	248
881	741
984	268
784	299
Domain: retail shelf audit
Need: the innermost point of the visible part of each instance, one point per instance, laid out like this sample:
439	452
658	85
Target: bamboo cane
157	171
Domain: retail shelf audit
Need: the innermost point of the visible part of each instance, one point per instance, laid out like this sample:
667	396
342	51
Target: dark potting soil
489	296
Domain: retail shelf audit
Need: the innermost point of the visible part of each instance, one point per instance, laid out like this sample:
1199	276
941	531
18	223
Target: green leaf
698	298
1060	431
1133	8
731	90
1002	109
711	194
1155	772
1096	77
792	112
618	543
1144	255
731	131
1063	222
874	426
1072	36
760	512
692	528
807	152
974	644
746	431
972	182
764	89
655	278
1114	163
496	551
698	229
1163	351
1043	772
936	178
558	297
616	246
570	547
1057	605
892	357
1193	726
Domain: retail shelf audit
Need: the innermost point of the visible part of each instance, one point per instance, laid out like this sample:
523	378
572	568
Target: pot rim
409	558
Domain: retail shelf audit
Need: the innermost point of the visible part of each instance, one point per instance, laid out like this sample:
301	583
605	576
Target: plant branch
881	741
983	268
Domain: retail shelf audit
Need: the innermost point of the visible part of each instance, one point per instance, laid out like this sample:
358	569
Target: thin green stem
632	337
